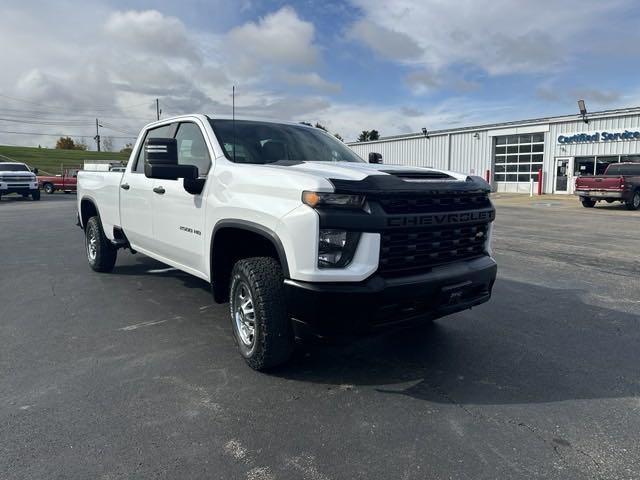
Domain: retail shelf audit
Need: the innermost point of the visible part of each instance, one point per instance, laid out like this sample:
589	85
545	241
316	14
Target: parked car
66	182
620	182
18	178
293	229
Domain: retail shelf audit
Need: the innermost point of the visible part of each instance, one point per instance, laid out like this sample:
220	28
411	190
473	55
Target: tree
306	123
107	144
79	145
65	143
338	136
369	135
364	136
321	127
128	148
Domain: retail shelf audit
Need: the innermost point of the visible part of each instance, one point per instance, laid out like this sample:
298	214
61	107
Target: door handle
125	186
159	190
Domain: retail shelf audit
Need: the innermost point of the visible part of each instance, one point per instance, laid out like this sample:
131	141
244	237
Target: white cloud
115	63
498	37
311	80
151	32
388	43
280	37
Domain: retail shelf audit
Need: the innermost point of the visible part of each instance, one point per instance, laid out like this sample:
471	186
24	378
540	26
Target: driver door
179	216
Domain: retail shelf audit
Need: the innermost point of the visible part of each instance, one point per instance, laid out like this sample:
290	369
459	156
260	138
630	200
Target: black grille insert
441	202
407	252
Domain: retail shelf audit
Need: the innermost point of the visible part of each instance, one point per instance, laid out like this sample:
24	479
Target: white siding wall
416	151
471	155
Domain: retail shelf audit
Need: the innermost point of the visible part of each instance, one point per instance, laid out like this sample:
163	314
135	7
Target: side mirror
161	161
375	157
35	171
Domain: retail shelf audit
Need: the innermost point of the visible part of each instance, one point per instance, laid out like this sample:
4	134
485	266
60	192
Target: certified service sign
595	137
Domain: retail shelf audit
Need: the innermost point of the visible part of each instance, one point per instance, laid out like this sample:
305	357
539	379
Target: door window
159	132
192	149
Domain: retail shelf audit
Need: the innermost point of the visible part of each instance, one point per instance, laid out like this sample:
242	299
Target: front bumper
335	308
22	187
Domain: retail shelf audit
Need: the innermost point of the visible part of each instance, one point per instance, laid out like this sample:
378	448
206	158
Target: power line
59	134
91	108
42	114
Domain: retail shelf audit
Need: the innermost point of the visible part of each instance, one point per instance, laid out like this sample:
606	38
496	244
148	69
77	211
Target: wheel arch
232	240
88	209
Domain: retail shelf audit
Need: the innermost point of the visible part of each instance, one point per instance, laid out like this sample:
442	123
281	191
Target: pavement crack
519	424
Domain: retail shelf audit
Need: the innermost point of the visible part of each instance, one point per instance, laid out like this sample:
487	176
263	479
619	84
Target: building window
517	158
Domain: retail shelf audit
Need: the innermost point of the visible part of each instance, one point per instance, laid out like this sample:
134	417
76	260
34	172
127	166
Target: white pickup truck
16	177
293	229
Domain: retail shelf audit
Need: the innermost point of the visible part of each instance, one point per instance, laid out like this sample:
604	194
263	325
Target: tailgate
602	182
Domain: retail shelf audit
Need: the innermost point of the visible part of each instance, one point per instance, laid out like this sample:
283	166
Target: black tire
35	195
272	340
634	202
588	203
103	258
49	188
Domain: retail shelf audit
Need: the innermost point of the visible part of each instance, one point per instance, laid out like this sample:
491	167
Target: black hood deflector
378	185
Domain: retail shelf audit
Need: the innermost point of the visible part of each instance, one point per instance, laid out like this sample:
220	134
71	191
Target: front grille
18	185
413	251
9	178
441	202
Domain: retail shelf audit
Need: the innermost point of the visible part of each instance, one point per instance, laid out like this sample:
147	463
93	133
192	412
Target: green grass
50	160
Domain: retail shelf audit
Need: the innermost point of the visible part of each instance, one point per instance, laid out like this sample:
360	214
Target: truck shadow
530	344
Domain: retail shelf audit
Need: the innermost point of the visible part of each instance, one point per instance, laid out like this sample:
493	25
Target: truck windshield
13	167
266	142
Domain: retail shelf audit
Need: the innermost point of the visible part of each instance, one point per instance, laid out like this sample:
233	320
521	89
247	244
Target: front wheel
588	203
35	195
101	254
259	317
634	202
48	187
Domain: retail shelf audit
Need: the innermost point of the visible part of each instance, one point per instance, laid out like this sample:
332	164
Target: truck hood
355	171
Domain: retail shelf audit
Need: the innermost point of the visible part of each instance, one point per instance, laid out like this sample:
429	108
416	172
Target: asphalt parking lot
134	374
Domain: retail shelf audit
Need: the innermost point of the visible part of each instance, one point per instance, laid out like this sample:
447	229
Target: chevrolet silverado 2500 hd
17	178
293	229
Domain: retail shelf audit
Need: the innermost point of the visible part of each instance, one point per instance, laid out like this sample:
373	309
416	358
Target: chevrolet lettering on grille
441	218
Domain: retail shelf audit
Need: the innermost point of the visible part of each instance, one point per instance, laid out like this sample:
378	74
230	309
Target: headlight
318	199
336	248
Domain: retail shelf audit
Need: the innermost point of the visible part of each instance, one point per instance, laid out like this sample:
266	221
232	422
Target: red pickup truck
66	182
620	182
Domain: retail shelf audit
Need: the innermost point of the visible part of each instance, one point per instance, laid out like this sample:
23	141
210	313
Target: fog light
336	248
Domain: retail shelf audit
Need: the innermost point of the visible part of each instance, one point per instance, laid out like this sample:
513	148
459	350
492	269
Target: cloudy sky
392	65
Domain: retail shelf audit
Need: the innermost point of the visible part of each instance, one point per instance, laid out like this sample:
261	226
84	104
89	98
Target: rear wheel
48	187
259	317
588	203
101	254
634	202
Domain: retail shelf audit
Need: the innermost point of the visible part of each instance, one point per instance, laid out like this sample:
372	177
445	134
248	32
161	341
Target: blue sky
395	66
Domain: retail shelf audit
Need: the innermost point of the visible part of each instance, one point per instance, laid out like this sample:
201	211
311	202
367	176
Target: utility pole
158	111
97	137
